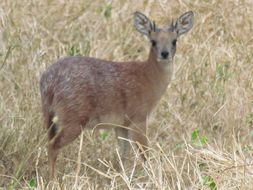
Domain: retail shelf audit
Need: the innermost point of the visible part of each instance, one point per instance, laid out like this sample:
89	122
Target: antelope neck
161	72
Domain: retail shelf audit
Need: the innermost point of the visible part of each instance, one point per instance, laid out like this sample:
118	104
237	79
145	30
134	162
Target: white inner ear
142	24
184	24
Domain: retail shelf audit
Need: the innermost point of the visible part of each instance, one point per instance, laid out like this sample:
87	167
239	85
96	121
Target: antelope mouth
164	60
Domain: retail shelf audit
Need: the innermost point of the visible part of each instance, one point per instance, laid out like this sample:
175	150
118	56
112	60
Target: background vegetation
200	135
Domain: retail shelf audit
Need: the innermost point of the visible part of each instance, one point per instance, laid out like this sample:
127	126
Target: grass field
201	133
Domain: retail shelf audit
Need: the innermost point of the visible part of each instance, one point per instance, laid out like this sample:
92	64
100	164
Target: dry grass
212	92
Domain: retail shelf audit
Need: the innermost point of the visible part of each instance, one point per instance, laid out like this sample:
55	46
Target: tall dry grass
200	135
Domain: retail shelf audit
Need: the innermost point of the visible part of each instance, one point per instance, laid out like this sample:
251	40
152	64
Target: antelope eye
174	42
153	42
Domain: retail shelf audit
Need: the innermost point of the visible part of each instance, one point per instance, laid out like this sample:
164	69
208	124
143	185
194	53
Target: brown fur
83	92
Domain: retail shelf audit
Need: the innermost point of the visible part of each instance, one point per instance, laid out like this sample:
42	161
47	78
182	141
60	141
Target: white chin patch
163	61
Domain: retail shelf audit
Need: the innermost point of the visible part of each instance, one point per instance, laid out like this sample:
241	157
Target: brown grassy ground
200	134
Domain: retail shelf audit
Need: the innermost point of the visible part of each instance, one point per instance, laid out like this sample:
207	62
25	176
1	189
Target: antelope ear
143	24
184	23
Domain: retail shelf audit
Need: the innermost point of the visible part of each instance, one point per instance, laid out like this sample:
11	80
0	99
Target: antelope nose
164	54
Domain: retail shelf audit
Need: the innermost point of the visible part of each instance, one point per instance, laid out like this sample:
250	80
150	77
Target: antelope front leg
123	144
137	133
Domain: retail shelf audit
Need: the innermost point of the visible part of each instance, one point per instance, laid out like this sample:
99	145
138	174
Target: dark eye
174	42
153	42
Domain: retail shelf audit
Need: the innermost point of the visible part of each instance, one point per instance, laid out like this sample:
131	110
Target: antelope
81	92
